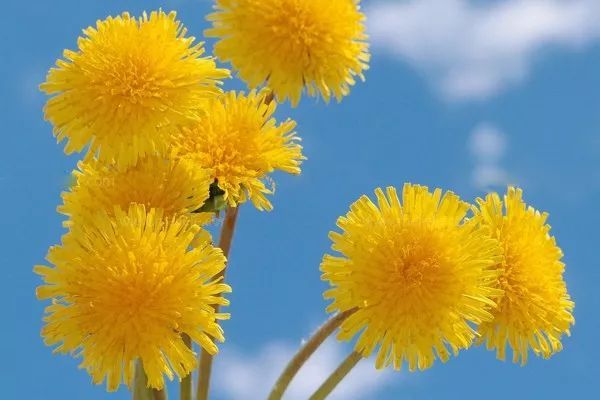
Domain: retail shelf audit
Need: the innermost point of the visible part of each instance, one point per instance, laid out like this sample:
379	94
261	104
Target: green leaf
216	201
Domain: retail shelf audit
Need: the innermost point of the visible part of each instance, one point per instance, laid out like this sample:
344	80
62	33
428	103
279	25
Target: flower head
127	286
240	142
175	186
292	45
535	310
417	275
130	80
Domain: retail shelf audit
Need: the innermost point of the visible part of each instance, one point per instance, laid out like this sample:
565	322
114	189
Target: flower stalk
206	359
337	376
141	391
185	387
140	384
305	352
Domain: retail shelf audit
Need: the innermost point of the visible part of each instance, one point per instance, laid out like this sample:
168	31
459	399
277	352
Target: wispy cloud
474	51
244	376
27	86
487	145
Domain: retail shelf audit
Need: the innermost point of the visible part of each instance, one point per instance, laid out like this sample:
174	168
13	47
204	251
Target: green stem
159	394
337	376
305	352
206	359
141	391
185	387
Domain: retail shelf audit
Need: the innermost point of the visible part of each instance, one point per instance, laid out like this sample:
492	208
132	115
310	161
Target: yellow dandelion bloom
129	81
175	186
417	275
535	310
125	288
241	143
293	45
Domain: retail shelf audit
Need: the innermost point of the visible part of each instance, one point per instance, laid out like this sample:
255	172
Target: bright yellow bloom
292	45
240	142
416	273
127	287
176	187
130	80
536	309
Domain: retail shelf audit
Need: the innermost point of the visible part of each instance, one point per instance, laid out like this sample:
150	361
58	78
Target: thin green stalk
141	391
206	359
305	352
140	387
337	376
185	387
159	394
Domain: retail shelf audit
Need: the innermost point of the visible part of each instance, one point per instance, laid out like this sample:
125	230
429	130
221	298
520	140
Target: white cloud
487	145
242	376
28	86
486	177
474	51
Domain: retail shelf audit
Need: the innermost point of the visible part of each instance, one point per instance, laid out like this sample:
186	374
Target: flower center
132	81
295	23
415	275
231	151
416	267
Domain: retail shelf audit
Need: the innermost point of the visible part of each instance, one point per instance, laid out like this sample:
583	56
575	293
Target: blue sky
463	95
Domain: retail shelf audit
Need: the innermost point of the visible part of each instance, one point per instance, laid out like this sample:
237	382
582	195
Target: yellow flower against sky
175	186
418	276
130	80
293	45
128	286
536	309
241	143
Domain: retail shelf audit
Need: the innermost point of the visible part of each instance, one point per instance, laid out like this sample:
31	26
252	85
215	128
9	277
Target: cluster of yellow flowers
422	280
166	149
135	270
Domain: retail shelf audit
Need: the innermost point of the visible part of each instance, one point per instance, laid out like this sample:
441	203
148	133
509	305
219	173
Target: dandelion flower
127	287
535	310
175	186
240	142
129	81
293	45
417	275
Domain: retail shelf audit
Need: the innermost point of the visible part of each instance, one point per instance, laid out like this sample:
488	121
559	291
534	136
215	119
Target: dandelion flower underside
241	143
125	287
129	82
418	276
293	45
536	309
